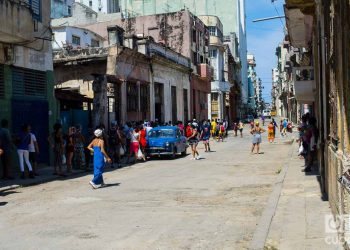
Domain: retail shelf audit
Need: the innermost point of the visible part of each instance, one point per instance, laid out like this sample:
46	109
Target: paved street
214	203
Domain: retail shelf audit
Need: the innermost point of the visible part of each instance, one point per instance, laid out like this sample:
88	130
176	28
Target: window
69	10
95	43
144	97
132	97
213	53
90	3
195	59
75	40
212	30
35	6
194	36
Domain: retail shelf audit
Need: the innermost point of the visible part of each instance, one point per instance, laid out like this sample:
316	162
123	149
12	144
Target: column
100	111
123	102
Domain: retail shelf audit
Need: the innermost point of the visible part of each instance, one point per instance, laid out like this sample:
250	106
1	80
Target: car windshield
162	133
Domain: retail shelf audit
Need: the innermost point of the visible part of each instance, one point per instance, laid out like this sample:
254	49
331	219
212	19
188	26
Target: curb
263	226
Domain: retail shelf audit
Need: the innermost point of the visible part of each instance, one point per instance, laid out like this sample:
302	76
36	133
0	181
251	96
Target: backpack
189	131
222	128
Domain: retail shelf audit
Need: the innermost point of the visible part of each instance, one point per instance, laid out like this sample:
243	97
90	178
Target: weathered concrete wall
170	76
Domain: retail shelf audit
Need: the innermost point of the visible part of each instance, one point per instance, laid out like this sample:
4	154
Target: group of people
308	138
27	150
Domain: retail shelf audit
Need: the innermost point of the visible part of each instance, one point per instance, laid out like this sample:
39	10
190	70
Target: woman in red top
143	140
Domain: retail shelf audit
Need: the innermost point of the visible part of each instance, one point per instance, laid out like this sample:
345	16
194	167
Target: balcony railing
304	84
205	71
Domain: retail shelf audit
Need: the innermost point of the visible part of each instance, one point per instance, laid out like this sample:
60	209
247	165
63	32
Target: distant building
61	8
220	88
254	86
181	31
26	69
74	37
230	12
103	6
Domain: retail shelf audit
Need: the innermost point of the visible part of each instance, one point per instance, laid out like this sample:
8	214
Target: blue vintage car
166	140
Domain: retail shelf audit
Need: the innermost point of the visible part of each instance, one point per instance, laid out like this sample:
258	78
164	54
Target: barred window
132	97
144	97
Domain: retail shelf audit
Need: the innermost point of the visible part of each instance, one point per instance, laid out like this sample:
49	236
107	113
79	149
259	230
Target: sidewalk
45	176
299	219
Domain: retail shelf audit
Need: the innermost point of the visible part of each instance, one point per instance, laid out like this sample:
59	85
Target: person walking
270	132
221	132
135	145
274	127
256	132
33	151
285	127
70	149
193	141
143	140
235	128
263	119
57	144
240	127
6	146
23	141
205	135
213	128
97	148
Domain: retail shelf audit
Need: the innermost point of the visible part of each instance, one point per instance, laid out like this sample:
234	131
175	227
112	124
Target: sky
264	37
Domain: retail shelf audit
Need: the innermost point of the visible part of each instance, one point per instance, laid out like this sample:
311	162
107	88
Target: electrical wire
283	26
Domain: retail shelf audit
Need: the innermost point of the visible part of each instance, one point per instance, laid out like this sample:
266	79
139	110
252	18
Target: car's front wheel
184	153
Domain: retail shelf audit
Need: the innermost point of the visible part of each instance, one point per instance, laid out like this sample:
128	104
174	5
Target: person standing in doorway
97	147
33	152
23	141
6	146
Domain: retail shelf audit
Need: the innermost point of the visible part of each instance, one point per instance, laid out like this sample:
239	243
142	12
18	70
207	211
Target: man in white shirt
33	152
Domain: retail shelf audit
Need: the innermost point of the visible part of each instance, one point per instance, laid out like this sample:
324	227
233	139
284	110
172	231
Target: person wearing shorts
193	141
205	136
256	132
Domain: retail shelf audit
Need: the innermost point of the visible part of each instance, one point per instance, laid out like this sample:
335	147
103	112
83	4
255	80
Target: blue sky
263	38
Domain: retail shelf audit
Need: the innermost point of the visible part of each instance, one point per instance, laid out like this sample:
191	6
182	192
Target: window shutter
29	83
36	8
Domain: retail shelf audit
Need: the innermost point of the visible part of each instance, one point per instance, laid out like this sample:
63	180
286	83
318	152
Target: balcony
304	84
221	87
215	40
205	71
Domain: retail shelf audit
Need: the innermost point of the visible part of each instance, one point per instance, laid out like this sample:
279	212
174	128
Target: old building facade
26	71
319	29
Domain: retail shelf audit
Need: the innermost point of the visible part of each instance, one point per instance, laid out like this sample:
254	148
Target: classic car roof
165	127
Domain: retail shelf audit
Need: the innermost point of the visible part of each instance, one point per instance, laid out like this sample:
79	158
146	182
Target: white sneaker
199	157
93	185
193	159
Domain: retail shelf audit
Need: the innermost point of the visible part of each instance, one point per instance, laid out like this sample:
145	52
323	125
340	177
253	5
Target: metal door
34	113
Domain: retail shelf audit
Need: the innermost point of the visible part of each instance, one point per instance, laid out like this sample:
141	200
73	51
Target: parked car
267	113
166	140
